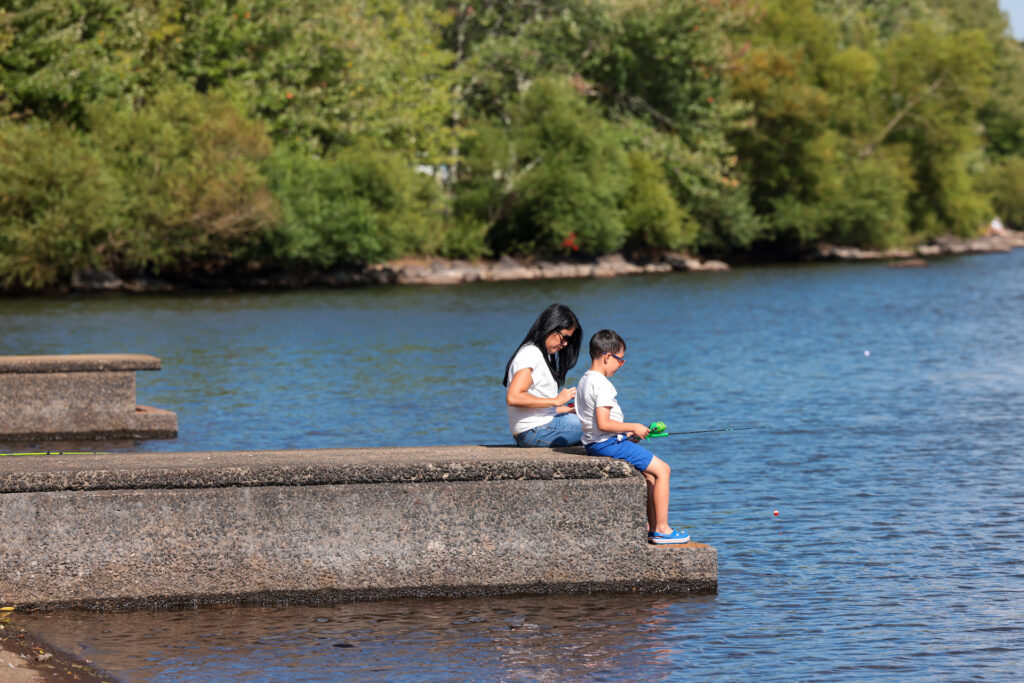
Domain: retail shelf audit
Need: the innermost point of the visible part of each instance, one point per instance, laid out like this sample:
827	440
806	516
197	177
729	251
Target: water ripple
896	474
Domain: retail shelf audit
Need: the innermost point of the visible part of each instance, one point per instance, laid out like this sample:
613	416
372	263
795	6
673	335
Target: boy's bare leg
657	499
650	500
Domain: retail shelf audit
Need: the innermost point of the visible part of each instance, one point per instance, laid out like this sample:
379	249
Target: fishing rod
660	429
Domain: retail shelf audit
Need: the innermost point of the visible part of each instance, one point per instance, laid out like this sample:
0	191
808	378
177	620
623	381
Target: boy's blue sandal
676	536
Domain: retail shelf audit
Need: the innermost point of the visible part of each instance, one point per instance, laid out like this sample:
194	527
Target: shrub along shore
201	142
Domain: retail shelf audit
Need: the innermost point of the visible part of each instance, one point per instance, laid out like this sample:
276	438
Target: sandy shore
25	659
16	668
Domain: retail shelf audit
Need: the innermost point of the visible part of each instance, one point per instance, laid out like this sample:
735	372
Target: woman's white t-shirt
595	391
543	386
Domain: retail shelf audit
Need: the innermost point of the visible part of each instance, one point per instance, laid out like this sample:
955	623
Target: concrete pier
163	529
82	396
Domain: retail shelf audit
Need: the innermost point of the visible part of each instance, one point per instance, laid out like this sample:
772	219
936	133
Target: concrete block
77	397
318	526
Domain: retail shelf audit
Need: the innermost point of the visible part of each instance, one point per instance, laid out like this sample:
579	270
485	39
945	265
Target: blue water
894	461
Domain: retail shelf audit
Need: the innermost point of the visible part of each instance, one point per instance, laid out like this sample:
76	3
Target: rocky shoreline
943	246
451	272
407	271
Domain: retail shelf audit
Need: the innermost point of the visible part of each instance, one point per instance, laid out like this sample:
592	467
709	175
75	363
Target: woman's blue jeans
563	430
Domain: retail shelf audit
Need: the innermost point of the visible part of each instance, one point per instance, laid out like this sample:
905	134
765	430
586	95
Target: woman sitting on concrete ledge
539	413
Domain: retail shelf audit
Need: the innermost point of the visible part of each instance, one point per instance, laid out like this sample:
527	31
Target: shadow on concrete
80	446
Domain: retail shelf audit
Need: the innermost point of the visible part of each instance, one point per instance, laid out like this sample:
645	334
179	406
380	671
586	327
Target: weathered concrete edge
335	596
206	478
86	362
94	435
220	469
146	423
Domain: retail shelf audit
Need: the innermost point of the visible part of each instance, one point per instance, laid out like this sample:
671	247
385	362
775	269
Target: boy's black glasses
622	361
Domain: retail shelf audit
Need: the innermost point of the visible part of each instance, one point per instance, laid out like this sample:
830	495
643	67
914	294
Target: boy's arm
603	417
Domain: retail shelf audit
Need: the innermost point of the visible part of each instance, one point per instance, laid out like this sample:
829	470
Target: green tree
1004	181
652	217
355	206
655	70
64	54
854	201
6	39
195	197
552	178
325	73
57	205
321	73
857	112
938	81
778	73
660	70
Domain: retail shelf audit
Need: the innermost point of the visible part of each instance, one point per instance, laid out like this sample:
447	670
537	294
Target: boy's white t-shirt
543	386
595	391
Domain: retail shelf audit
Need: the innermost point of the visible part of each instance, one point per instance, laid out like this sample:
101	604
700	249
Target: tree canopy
189	137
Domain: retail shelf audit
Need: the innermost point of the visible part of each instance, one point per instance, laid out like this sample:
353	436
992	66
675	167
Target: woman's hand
564	400
518	396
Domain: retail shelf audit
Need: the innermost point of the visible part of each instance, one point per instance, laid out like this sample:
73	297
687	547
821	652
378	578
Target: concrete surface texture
82	362
162	529
78	397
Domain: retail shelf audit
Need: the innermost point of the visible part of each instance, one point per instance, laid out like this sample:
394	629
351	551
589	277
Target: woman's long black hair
554	318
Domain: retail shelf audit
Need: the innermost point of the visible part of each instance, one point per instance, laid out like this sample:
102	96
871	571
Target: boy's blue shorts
633	453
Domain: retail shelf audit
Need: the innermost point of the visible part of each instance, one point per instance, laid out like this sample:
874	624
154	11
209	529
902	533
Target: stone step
161	529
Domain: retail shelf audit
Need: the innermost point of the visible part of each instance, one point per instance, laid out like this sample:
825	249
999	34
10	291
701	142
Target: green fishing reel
657	429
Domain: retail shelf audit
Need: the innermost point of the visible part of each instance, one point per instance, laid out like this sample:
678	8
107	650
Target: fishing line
708	431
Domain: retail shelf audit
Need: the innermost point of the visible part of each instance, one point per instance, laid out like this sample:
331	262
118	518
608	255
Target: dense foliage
182	138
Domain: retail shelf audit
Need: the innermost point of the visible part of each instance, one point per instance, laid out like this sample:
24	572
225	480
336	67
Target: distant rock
94	280
341	277
951	244
909	263
379	275
832	252
554	271
939	246
712	265
613	265
437	272
680	261
147	284
507	268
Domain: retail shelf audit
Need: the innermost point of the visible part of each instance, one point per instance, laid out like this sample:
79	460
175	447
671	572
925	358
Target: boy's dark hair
554	318
606	341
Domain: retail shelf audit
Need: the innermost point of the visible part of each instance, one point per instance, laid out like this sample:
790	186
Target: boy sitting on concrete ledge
605	433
